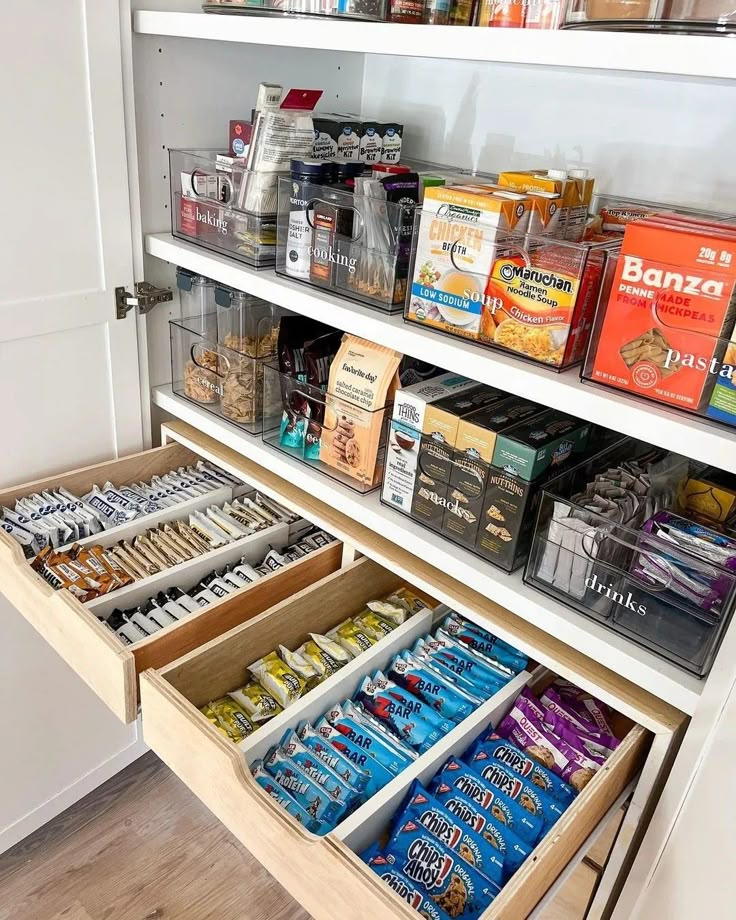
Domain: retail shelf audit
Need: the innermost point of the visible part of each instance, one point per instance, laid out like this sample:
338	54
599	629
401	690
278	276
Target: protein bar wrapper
284	799
400	715
431	686
377	746
341	764
337	789
452	883
378	773
274	675
511	847
303	788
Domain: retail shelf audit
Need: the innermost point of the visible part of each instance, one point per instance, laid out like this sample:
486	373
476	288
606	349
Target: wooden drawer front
324	874
109	667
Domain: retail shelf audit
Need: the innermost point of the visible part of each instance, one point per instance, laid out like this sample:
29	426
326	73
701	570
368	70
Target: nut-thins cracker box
670	311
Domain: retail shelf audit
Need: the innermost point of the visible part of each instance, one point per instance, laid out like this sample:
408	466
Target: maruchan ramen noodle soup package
456	248
670	311
540	299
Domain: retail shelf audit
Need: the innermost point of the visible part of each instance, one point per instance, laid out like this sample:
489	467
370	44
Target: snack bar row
174	604
333	766
283	676
451	847
56	518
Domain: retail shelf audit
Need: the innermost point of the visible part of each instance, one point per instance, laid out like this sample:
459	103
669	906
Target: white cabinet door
69	380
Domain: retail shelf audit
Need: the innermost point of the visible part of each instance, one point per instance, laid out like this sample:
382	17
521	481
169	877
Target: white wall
643	137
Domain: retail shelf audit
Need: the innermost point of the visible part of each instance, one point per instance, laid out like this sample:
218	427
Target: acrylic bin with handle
220	205
332	435
366	10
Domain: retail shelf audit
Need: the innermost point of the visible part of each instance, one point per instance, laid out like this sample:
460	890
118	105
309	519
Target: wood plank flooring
142	847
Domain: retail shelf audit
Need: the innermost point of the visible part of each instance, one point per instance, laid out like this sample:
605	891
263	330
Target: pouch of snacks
594	743
357	711
275	676
494	747
284	799
352	774
363	378
232	718
458	775
587	706
430	686
351	637
465	664
428	812
412	892
306	791
452	883
257	702
511	847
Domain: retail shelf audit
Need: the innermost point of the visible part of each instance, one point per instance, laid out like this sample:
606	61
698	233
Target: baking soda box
670	312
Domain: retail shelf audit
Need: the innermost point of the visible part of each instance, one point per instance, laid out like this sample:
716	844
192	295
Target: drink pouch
378	774
390	612
307	793
232	718
257	702
324	655
373	624
412	892
350	773
458	775
497	748
337	789
274	675
351	637
284	799
427	684
451	882
366	739
480	640
512	849
427	811
421	652
402	716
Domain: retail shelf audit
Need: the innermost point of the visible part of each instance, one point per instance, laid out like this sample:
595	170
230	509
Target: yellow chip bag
274	675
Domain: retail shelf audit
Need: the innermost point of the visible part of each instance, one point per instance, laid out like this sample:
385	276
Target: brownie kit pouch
363	380
436	450
664	333
525	456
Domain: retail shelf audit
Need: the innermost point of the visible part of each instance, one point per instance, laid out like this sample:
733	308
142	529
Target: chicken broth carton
456	246
670	311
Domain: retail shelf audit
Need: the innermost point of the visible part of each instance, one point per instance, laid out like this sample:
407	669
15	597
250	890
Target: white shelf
682	55
667	428
609	649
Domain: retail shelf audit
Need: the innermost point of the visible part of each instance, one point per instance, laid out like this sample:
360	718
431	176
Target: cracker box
456	247
410	405
436	448
671	308
474	447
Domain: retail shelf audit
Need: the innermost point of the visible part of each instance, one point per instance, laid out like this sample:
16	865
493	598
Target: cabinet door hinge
145	298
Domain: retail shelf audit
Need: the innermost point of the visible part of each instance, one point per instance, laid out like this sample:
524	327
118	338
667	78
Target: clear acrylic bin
626	578
338	438
537	302
367	10
354	246
687	16
610	214
521	14
226	381
220	205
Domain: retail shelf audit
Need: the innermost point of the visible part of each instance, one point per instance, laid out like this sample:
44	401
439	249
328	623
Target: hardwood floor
142	847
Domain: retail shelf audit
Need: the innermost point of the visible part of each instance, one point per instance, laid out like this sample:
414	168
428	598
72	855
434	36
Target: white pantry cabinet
652	116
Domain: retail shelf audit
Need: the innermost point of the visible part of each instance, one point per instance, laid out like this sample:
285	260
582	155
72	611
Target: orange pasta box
458	235
670	312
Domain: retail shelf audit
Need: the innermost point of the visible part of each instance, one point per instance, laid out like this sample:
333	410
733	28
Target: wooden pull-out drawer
324	874
73	629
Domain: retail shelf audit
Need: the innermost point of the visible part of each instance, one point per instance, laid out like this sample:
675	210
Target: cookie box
74	629
300	420
217	770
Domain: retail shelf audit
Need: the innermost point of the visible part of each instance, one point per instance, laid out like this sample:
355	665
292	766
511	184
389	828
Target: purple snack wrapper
586	706
599	747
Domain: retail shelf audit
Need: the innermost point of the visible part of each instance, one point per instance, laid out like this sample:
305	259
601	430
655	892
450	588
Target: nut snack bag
363	379
673	300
